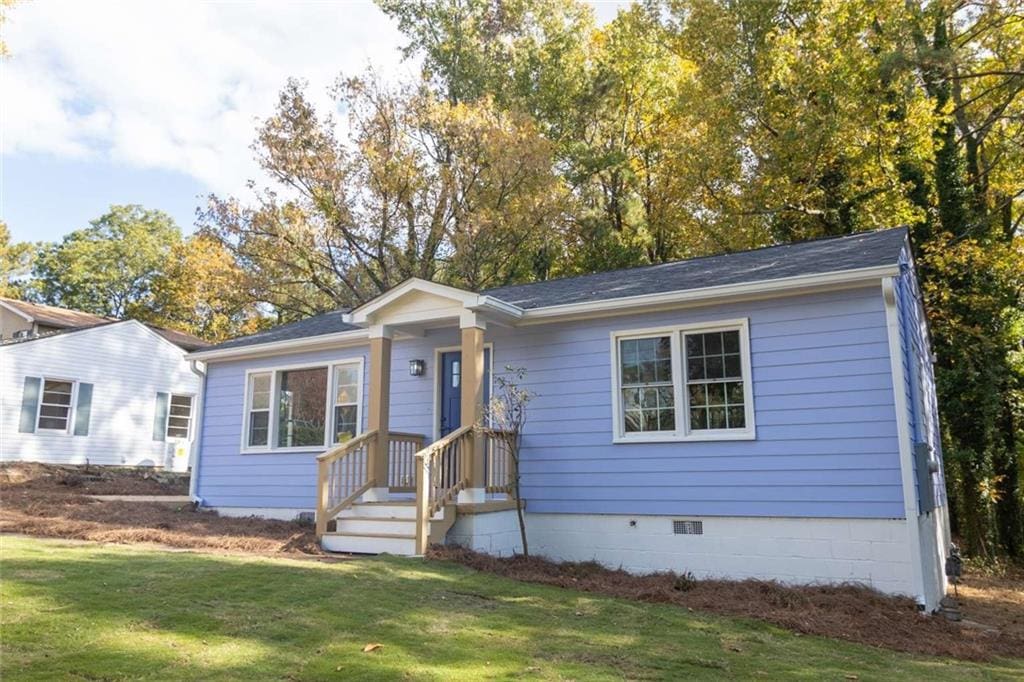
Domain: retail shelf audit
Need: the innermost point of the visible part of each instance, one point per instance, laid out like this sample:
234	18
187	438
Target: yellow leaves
373	646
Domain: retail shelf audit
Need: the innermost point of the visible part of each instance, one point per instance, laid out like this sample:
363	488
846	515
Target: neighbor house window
346	402
179	417
302	408
684	382
259	410
55	405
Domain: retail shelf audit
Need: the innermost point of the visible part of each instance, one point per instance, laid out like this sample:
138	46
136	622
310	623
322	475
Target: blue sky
156	103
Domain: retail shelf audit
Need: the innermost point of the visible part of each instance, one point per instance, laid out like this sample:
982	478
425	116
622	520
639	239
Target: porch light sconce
416	368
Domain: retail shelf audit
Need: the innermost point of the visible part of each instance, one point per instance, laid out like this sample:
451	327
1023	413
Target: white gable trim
24	316
365	314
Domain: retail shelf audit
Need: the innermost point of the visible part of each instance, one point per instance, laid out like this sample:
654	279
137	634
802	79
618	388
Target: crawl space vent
688	527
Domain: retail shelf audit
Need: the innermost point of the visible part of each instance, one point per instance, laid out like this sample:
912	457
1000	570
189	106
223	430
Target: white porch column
379	408
472	399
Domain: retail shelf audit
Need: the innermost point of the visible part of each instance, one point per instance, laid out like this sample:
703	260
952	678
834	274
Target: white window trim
191	415
272	425
683	431
333	404
71	407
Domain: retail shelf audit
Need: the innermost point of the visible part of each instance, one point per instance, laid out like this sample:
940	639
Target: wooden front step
383	527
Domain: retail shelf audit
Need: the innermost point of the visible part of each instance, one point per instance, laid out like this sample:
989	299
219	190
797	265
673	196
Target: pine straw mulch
850	612
91	480
53	501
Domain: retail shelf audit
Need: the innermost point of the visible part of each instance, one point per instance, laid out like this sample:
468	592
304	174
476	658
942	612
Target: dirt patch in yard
91	480
37	500
851	612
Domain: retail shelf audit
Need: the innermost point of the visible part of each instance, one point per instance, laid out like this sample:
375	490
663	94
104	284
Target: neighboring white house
114	393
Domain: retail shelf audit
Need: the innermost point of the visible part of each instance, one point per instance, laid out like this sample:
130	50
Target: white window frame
272	426
332	400
71	406
191	415
683	432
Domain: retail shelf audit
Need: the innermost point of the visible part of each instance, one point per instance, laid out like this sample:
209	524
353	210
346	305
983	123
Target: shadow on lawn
103	612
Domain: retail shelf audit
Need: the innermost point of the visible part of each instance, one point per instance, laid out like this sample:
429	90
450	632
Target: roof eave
352	337
627	304
743	290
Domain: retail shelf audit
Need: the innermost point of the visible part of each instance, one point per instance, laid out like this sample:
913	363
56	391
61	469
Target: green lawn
100	612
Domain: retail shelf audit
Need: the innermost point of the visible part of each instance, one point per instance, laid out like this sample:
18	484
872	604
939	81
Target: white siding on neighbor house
127	364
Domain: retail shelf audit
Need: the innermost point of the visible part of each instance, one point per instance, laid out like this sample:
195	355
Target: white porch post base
471	496
376	495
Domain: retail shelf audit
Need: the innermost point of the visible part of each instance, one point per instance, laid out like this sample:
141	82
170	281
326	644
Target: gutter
353	337
744	290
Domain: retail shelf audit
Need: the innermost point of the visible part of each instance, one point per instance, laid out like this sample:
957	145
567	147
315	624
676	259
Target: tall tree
203	291
107	268
15	263
462	193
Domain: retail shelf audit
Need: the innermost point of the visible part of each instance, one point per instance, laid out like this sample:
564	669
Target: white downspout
199	369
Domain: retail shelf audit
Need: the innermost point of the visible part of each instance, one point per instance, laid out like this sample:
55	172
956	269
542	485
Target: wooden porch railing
402	449
342	476
440	475
499	466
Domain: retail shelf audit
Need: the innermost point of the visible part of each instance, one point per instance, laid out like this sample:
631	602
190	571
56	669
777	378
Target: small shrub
684	582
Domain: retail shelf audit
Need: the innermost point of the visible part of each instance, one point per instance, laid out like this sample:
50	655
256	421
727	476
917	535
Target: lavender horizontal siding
826	443
922	404
826	435
227	478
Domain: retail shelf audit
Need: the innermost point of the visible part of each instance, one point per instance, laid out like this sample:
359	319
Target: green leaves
109	267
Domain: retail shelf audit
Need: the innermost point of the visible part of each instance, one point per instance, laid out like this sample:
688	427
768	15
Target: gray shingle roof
318	325
835	254
820	256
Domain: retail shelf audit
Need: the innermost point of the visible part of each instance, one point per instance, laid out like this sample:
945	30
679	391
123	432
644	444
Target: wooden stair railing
342	477
402	449
499	465
439	478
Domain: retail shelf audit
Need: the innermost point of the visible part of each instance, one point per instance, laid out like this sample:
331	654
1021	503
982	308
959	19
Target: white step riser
368	545
373	526
382	511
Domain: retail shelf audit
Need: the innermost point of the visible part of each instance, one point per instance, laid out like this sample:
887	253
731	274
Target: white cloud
176	86
179	85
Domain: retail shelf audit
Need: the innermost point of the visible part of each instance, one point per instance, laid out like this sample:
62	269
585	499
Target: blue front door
451	391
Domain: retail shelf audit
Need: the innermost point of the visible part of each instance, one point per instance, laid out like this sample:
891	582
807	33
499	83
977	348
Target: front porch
397	492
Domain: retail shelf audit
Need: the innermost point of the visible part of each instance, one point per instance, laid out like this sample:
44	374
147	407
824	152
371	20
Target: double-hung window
687	382
179	416
302	408
55	405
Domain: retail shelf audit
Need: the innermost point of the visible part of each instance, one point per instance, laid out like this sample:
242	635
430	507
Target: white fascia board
762	288
355	337
489	304
361	315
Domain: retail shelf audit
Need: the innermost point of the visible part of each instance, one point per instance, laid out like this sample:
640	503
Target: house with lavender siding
765	414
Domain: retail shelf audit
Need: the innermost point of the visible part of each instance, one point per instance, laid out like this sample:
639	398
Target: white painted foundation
495	533
279	513
874	552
